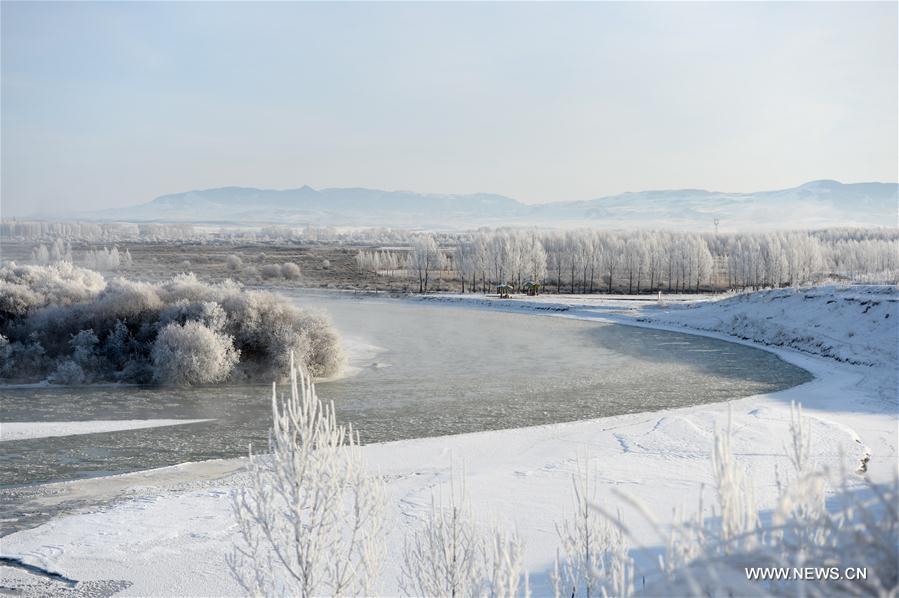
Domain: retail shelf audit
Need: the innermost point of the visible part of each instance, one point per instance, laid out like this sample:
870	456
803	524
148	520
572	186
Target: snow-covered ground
28	430
170	537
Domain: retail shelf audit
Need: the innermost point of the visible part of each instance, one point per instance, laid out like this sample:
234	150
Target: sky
114	103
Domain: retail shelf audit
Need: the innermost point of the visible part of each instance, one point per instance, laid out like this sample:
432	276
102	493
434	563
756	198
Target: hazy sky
110	104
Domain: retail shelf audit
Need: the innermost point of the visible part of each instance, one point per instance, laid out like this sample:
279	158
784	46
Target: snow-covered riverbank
171	538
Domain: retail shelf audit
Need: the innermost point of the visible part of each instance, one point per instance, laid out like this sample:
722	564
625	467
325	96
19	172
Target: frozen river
438	370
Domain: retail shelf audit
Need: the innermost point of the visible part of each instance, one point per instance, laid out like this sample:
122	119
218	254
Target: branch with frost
310	518
503	557
451	555
596	559
441	557
739	516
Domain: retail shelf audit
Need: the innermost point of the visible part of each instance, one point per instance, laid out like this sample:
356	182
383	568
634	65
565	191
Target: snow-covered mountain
812	205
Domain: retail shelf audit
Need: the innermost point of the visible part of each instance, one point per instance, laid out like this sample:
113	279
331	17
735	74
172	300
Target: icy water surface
442	370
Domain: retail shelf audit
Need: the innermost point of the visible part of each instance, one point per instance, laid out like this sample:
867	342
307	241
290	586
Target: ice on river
28	430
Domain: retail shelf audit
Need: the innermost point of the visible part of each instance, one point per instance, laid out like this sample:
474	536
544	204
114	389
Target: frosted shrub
290	271
739	516
208	313
25	288
191	353
5	356
450	554
442	557
234	263
269	271
503	556
321	345
311	516
595	552
69	373
125	299
26	358
56	313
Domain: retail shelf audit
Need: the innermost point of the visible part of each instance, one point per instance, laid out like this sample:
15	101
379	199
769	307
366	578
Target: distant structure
532	288
716	226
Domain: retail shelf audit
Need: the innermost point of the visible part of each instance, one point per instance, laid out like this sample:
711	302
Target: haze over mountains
813	205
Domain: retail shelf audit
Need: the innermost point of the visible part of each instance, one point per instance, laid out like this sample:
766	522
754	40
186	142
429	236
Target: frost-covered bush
234	263
290	271
192	353
25	288
68	372
53	314
269	271
311	516
451	554
6	353
594	550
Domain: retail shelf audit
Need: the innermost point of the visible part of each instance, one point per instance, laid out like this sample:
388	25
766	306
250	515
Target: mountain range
813	205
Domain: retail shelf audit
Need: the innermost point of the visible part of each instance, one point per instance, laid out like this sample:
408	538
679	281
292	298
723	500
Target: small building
531	288
504	290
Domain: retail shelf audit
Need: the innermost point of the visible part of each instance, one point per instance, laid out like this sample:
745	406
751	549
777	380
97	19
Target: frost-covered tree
40	255
103	259
424	259
611	258
534	257
311	516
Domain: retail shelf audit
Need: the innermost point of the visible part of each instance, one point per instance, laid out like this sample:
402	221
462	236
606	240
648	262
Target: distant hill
812	205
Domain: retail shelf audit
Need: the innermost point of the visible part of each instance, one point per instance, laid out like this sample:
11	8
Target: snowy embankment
173	538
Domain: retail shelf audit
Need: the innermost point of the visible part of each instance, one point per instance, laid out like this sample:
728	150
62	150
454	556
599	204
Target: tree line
591	261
